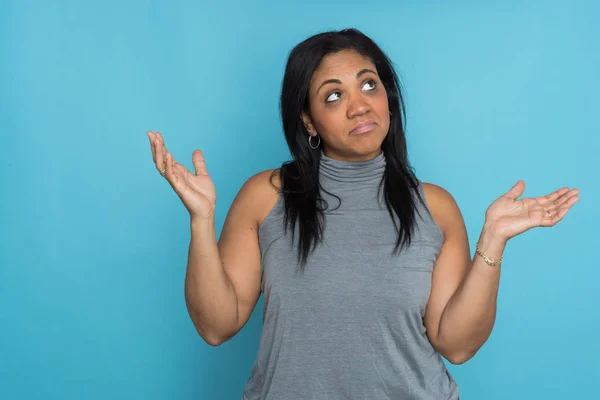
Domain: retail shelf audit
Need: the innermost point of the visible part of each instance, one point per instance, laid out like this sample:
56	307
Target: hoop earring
310	142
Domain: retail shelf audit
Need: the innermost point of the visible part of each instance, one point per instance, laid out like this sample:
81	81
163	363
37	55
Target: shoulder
264	181
443	207
437	194
262	186
260	193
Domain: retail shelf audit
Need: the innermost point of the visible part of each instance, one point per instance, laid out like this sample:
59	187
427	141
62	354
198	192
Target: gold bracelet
488	261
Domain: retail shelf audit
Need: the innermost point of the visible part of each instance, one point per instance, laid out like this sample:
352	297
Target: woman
366	270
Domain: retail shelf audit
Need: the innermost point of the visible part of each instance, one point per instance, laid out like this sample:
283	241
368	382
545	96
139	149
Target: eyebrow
358	75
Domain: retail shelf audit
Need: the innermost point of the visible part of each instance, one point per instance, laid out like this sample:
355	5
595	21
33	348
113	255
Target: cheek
381	102
330	122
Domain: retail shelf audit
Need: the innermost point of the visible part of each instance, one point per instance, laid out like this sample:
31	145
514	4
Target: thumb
516	191
199	163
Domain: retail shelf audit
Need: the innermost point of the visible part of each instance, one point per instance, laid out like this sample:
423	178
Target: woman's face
346	91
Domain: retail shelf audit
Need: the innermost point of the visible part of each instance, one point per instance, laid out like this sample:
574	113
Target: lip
364	127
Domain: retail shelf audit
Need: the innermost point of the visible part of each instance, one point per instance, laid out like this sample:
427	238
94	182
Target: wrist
491	243
199	219
202	223
491	234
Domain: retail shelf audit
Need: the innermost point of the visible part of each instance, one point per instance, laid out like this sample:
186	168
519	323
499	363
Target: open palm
509	216
196	191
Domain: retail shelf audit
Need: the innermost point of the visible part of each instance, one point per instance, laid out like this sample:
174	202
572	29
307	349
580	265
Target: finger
181	170
177	167
161	142
555	205
170	170
563	211
160	156
554	195
566	197
552	217
152	147
555	217
199	163
516	191
176	174
570	202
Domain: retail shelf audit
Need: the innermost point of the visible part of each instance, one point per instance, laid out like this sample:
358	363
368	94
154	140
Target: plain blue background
94	243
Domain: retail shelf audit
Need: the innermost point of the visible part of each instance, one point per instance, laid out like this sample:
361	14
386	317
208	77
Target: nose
357	105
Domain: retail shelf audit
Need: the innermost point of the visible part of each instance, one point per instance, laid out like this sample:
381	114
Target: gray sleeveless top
351	325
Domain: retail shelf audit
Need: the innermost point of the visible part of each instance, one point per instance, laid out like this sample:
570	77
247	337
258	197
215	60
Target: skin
345	90
461	309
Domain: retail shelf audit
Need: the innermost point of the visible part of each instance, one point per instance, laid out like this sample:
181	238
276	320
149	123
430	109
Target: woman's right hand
196	191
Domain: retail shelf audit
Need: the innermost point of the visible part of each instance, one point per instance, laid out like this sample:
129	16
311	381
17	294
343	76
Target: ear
308	124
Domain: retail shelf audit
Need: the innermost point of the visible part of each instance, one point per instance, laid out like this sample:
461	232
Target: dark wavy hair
303	203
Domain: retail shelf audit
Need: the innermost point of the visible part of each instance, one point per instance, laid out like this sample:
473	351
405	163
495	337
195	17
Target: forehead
342	65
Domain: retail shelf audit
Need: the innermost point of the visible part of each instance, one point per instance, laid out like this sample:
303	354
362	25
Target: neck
363	173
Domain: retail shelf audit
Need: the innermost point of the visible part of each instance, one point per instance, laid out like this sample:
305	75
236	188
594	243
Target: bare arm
209	295
223	279
222	282
450	272
462	306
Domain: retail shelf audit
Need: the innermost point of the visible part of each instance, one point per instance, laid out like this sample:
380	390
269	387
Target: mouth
363	127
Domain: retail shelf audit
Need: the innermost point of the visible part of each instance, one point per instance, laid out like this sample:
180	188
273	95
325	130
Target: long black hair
303	204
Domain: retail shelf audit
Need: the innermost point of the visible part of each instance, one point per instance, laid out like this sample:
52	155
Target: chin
370	145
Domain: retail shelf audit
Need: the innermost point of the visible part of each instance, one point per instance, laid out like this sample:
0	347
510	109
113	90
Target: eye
332	97
370	82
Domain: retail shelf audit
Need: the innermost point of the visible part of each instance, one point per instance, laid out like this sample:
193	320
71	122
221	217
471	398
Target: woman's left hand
508	217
